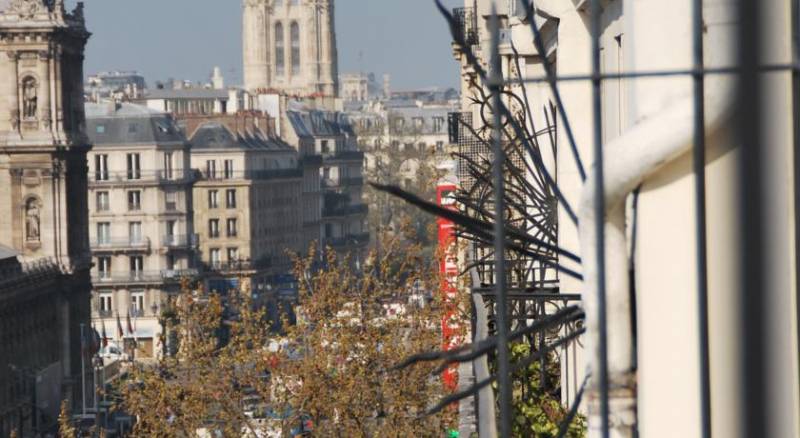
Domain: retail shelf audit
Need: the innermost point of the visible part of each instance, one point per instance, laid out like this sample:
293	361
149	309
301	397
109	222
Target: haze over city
162	39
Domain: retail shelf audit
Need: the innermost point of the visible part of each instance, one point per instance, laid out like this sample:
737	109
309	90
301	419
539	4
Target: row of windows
230	198
231	228
133	166
103	201
137	302
280	52
135	264
215	255
135	235
227	170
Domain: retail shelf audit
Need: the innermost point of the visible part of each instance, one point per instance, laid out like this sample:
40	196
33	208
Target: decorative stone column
45	111
58	119
12	90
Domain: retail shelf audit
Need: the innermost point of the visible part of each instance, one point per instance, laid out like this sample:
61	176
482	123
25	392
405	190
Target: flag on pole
128	321
120	332
94	342
105	337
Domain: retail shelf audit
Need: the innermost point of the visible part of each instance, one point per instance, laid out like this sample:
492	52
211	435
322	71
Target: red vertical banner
448	268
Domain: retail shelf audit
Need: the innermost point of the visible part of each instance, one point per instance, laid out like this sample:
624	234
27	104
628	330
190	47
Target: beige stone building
247	206
140	204
329	137
356	87
290	47
44	245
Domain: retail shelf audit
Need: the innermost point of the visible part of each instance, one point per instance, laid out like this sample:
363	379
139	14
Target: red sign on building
448	267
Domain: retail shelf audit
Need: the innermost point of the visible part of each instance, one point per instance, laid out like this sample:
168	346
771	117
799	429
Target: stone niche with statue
43	174
43	62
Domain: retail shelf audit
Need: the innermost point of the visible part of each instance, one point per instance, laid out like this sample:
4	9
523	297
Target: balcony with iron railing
181	241
346	155
234	266
332	183
466	25
128	177
266	174
348	240
111	244
142	277
344	210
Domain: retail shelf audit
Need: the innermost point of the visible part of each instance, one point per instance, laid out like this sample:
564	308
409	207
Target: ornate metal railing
120	243
100	178
466	25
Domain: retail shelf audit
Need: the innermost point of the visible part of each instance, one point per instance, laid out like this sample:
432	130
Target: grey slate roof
217	136
320	123
127	124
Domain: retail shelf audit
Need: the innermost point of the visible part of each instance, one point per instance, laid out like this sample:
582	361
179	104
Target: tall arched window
294	31
279	50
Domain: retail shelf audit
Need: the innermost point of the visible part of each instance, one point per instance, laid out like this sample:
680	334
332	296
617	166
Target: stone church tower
43	187
290	46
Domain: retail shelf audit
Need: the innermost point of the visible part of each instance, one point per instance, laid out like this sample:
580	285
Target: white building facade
141	231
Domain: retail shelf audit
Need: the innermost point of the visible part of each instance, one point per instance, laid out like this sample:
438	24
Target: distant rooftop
125	123
216	136
187	93
319	123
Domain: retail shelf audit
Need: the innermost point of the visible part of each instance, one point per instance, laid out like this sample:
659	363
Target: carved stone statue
27	9
32	221
29	98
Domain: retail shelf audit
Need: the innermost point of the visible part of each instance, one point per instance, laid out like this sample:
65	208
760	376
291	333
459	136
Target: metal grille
516	299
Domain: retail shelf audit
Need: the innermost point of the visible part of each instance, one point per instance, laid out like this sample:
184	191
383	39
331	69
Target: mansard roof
214	136
315	123
126	124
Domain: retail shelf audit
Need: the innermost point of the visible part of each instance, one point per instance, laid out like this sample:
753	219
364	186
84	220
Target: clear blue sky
186	38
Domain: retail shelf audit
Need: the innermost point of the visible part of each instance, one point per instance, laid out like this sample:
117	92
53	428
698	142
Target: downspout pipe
655	140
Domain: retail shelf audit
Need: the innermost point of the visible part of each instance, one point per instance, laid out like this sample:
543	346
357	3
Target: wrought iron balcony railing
343	156
142	277
181	241
342	182
141	176
348	240
345	210
235	265
270	174
121	244
466	25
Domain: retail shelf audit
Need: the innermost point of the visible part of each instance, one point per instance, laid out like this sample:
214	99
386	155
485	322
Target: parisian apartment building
248	207
329	137
141	230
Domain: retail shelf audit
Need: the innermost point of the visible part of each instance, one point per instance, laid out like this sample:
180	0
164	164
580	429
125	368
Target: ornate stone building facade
44	290
290	47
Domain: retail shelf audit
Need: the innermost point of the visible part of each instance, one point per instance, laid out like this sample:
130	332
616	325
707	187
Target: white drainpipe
656	139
